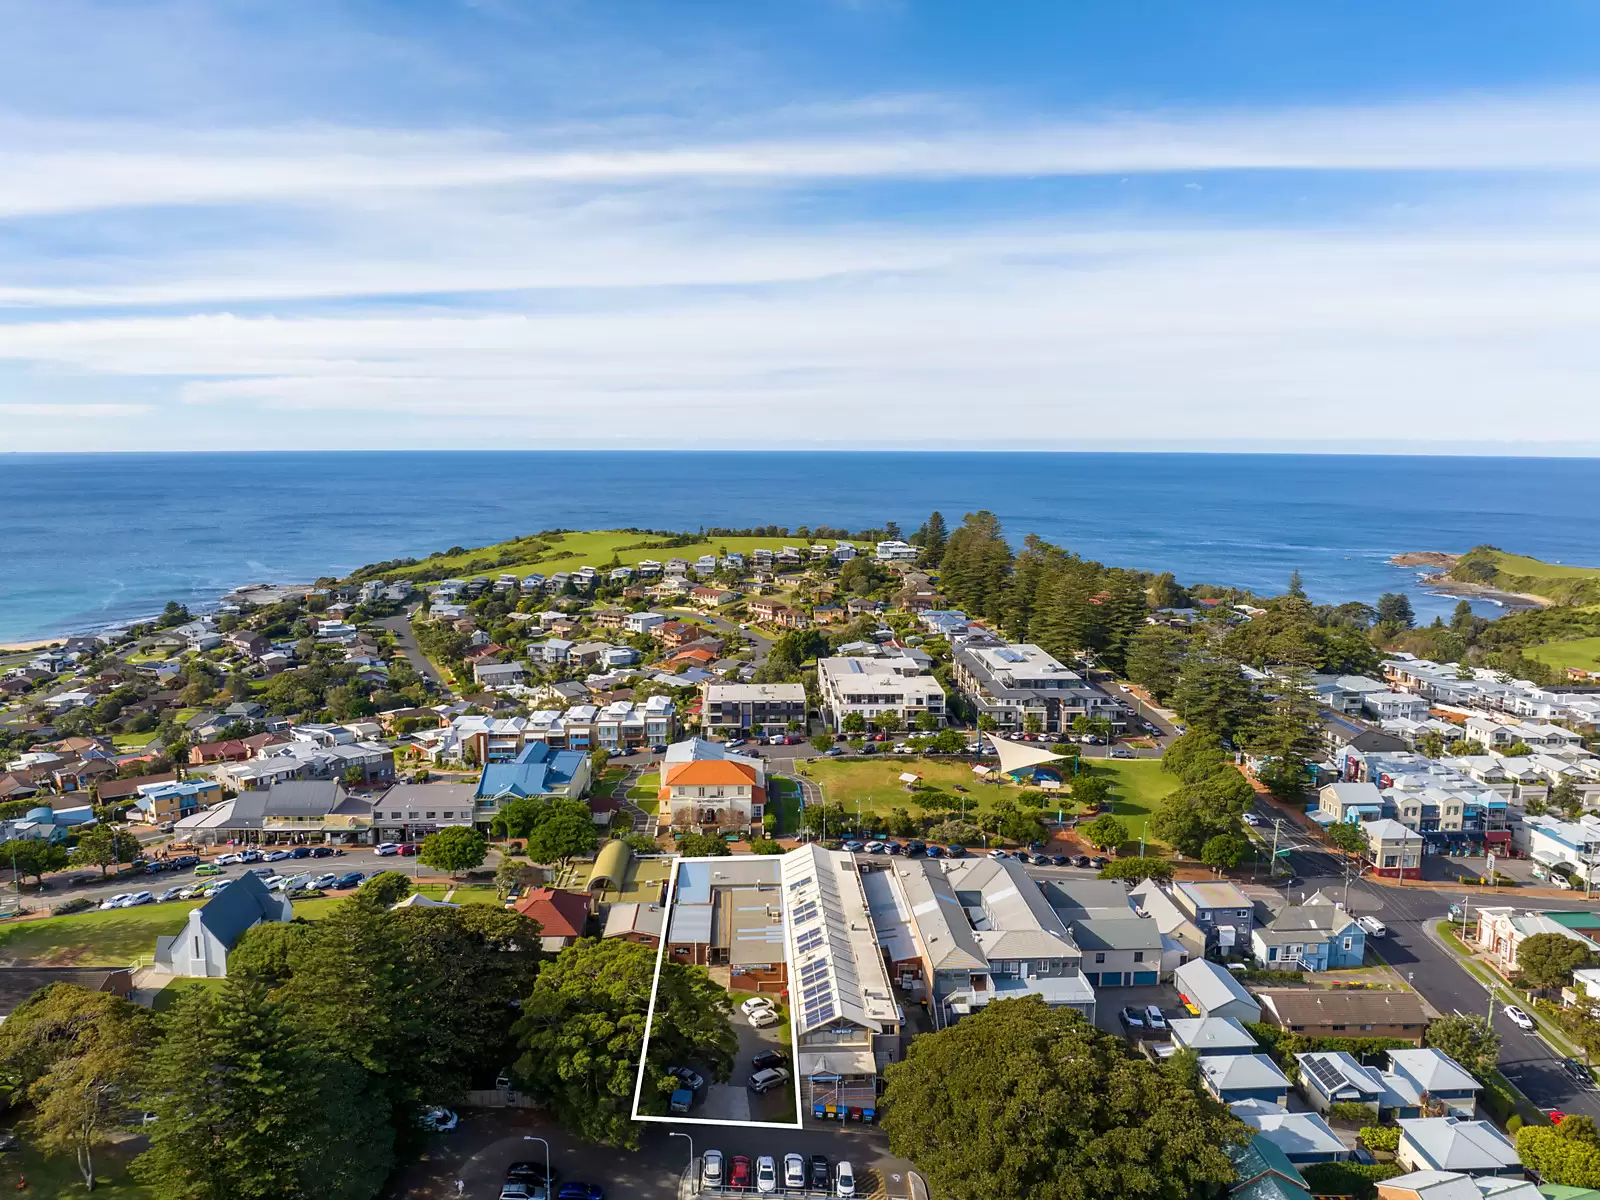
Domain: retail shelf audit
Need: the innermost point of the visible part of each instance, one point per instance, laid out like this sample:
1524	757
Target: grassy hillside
549	552
1556	582
1583	653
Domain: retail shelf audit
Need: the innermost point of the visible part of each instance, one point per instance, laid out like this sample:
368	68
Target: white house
201	950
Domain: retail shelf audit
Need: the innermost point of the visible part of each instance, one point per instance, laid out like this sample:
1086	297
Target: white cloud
78	169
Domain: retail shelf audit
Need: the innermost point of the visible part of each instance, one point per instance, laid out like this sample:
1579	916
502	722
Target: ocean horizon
92	541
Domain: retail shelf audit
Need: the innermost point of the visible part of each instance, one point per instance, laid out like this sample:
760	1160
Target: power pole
1272	867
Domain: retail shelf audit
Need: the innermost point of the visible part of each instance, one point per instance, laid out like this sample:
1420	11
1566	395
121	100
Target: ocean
89	541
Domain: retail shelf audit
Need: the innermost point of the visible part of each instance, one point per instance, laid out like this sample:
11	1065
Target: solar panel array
821	956
1326	1073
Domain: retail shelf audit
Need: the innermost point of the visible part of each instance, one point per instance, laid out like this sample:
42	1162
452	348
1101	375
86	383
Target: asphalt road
406	641
1412	948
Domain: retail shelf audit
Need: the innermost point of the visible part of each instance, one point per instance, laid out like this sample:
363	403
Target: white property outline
650	1016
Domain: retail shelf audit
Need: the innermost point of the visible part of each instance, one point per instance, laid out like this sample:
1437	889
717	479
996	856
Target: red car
408	850
739	1172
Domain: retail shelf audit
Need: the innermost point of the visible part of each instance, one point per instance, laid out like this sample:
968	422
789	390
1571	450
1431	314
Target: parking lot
734	1100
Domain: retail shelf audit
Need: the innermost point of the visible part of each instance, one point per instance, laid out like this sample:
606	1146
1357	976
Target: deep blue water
90	540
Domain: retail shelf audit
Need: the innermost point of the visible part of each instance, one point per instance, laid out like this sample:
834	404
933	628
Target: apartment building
741	708
873	687
1013	683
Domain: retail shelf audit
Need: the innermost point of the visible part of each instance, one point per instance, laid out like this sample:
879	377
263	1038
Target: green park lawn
1583	653
1138	785
133	741
1534	568
112	939
476	895
592	548
606	785
646	789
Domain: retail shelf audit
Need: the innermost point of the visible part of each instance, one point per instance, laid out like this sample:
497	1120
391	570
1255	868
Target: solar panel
823	1012
809	940
1328	1075
800	883
805	912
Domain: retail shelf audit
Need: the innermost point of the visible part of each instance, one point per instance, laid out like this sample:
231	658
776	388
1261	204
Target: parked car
1153	1017
408	850
325	851
1250	818
190	892
762	1018
300	852
324	881
1121	752
820	1173
137	898
768	1059
1060	860
170	894
844	1180
1578	1072
155	868
250	856
184	861
711	1168
1132	1019
295	883
956	851
688	1078
438	1120
532	1176
208	869
274	883
766	1176
580	1191
275	856
1080	860
765	1081
998	854
1099	862
111	902
873	847
1519	1018
383	849
794	1172
226	860
756	1003
680	1102
350	880
739	1172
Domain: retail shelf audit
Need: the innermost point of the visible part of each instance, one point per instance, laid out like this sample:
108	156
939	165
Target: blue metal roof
537	771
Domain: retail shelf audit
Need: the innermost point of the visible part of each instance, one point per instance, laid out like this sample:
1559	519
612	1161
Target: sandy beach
40	644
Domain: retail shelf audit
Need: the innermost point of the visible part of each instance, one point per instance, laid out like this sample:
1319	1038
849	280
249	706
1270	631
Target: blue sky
831	223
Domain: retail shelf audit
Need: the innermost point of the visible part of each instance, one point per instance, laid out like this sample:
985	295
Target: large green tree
33	857
1470	1040
566	830
1547	960
75	1055
1213	696
105	848
976	568
454	850
1033	1103
1105	832
1155	659
583	1025
245	1108
1287	737
702	845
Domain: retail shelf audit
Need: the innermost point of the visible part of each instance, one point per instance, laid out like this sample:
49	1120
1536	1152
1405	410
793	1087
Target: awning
837	1062
1497	835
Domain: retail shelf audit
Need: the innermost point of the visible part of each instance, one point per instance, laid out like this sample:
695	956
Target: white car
756	1004
387	849
794	1172
1372	926
1153	1017
227	860
711	1171
1519	1018
1250	819
138	898
763	1017
844	1180
766	1176
114	901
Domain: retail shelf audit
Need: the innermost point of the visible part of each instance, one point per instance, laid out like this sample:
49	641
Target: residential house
1208	990
1302	1137
1473	1148
1394	851
895	551
111	791
1183	939
1264	1173
1222	912
1453	1185
562	916
1353	1014
773	612
706	787
1315	936
211	931
1211	1036
1234	1077
1349	801
1440	1078
632	922
743	708
158	803
537	770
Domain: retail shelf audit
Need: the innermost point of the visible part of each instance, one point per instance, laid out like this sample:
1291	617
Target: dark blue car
348	881
580	1191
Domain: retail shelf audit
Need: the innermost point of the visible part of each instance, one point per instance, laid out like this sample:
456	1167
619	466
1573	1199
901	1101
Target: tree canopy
454	849
1470	1040
582	1030
1033	1103
1547	960
1567	1154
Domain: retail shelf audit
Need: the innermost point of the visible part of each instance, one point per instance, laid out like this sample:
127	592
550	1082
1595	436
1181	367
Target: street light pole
690	1140
528	1137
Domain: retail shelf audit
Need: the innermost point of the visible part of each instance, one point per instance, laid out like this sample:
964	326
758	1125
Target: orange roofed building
561	916
705	788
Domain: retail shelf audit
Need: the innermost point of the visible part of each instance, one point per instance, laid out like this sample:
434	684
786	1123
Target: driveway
734	1101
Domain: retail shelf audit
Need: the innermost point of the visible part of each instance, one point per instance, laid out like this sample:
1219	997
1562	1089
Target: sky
261	224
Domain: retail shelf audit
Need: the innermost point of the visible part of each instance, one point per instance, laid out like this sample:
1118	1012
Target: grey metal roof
1116	933
1448	1144
1211	1033
1242	1072
237	907
1210	986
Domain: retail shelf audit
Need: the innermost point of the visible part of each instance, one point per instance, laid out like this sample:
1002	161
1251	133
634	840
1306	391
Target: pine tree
932	537
1295	590
1286	736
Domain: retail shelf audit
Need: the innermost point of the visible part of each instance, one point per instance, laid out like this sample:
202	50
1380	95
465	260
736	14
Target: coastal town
843	806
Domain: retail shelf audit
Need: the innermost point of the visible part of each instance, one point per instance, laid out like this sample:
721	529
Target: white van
1372	926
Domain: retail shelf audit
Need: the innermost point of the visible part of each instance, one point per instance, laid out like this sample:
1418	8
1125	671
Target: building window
1349	943
1100	957
1138	956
